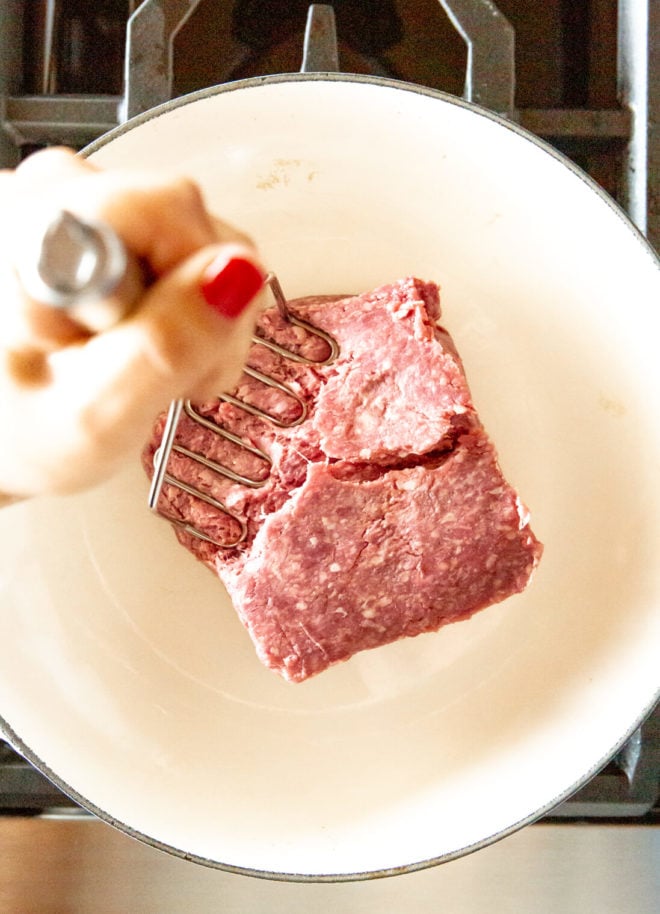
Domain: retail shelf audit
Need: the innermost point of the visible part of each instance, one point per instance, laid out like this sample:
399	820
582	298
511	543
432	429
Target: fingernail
229	286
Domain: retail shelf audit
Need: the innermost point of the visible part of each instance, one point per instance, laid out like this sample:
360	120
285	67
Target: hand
74	405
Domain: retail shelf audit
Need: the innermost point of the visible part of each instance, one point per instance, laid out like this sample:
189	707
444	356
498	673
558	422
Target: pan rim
384	82
281	876
32	757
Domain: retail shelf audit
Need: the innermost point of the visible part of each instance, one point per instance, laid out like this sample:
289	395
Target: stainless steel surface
85	867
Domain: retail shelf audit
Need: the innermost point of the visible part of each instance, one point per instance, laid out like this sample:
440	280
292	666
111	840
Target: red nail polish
229	287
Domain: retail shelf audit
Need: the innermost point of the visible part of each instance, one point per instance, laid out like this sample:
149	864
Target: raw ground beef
384	513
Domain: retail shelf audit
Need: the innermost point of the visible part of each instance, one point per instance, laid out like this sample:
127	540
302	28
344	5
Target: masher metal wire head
179	407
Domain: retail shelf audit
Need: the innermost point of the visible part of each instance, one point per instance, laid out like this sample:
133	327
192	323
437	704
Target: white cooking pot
124	672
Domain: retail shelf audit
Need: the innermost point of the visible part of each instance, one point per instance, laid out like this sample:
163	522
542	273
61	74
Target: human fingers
159	216
195	324
52	170
35	195
25	193
47	169
160	219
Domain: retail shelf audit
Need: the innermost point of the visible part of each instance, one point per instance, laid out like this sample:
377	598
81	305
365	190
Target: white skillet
124	673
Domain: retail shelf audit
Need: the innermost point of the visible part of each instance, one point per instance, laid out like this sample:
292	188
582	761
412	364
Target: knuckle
164	220
53	159
174	348
188	192
186	206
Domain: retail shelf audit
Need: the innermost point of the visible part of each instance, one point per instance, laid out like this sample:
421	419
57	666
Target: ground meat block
384	514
